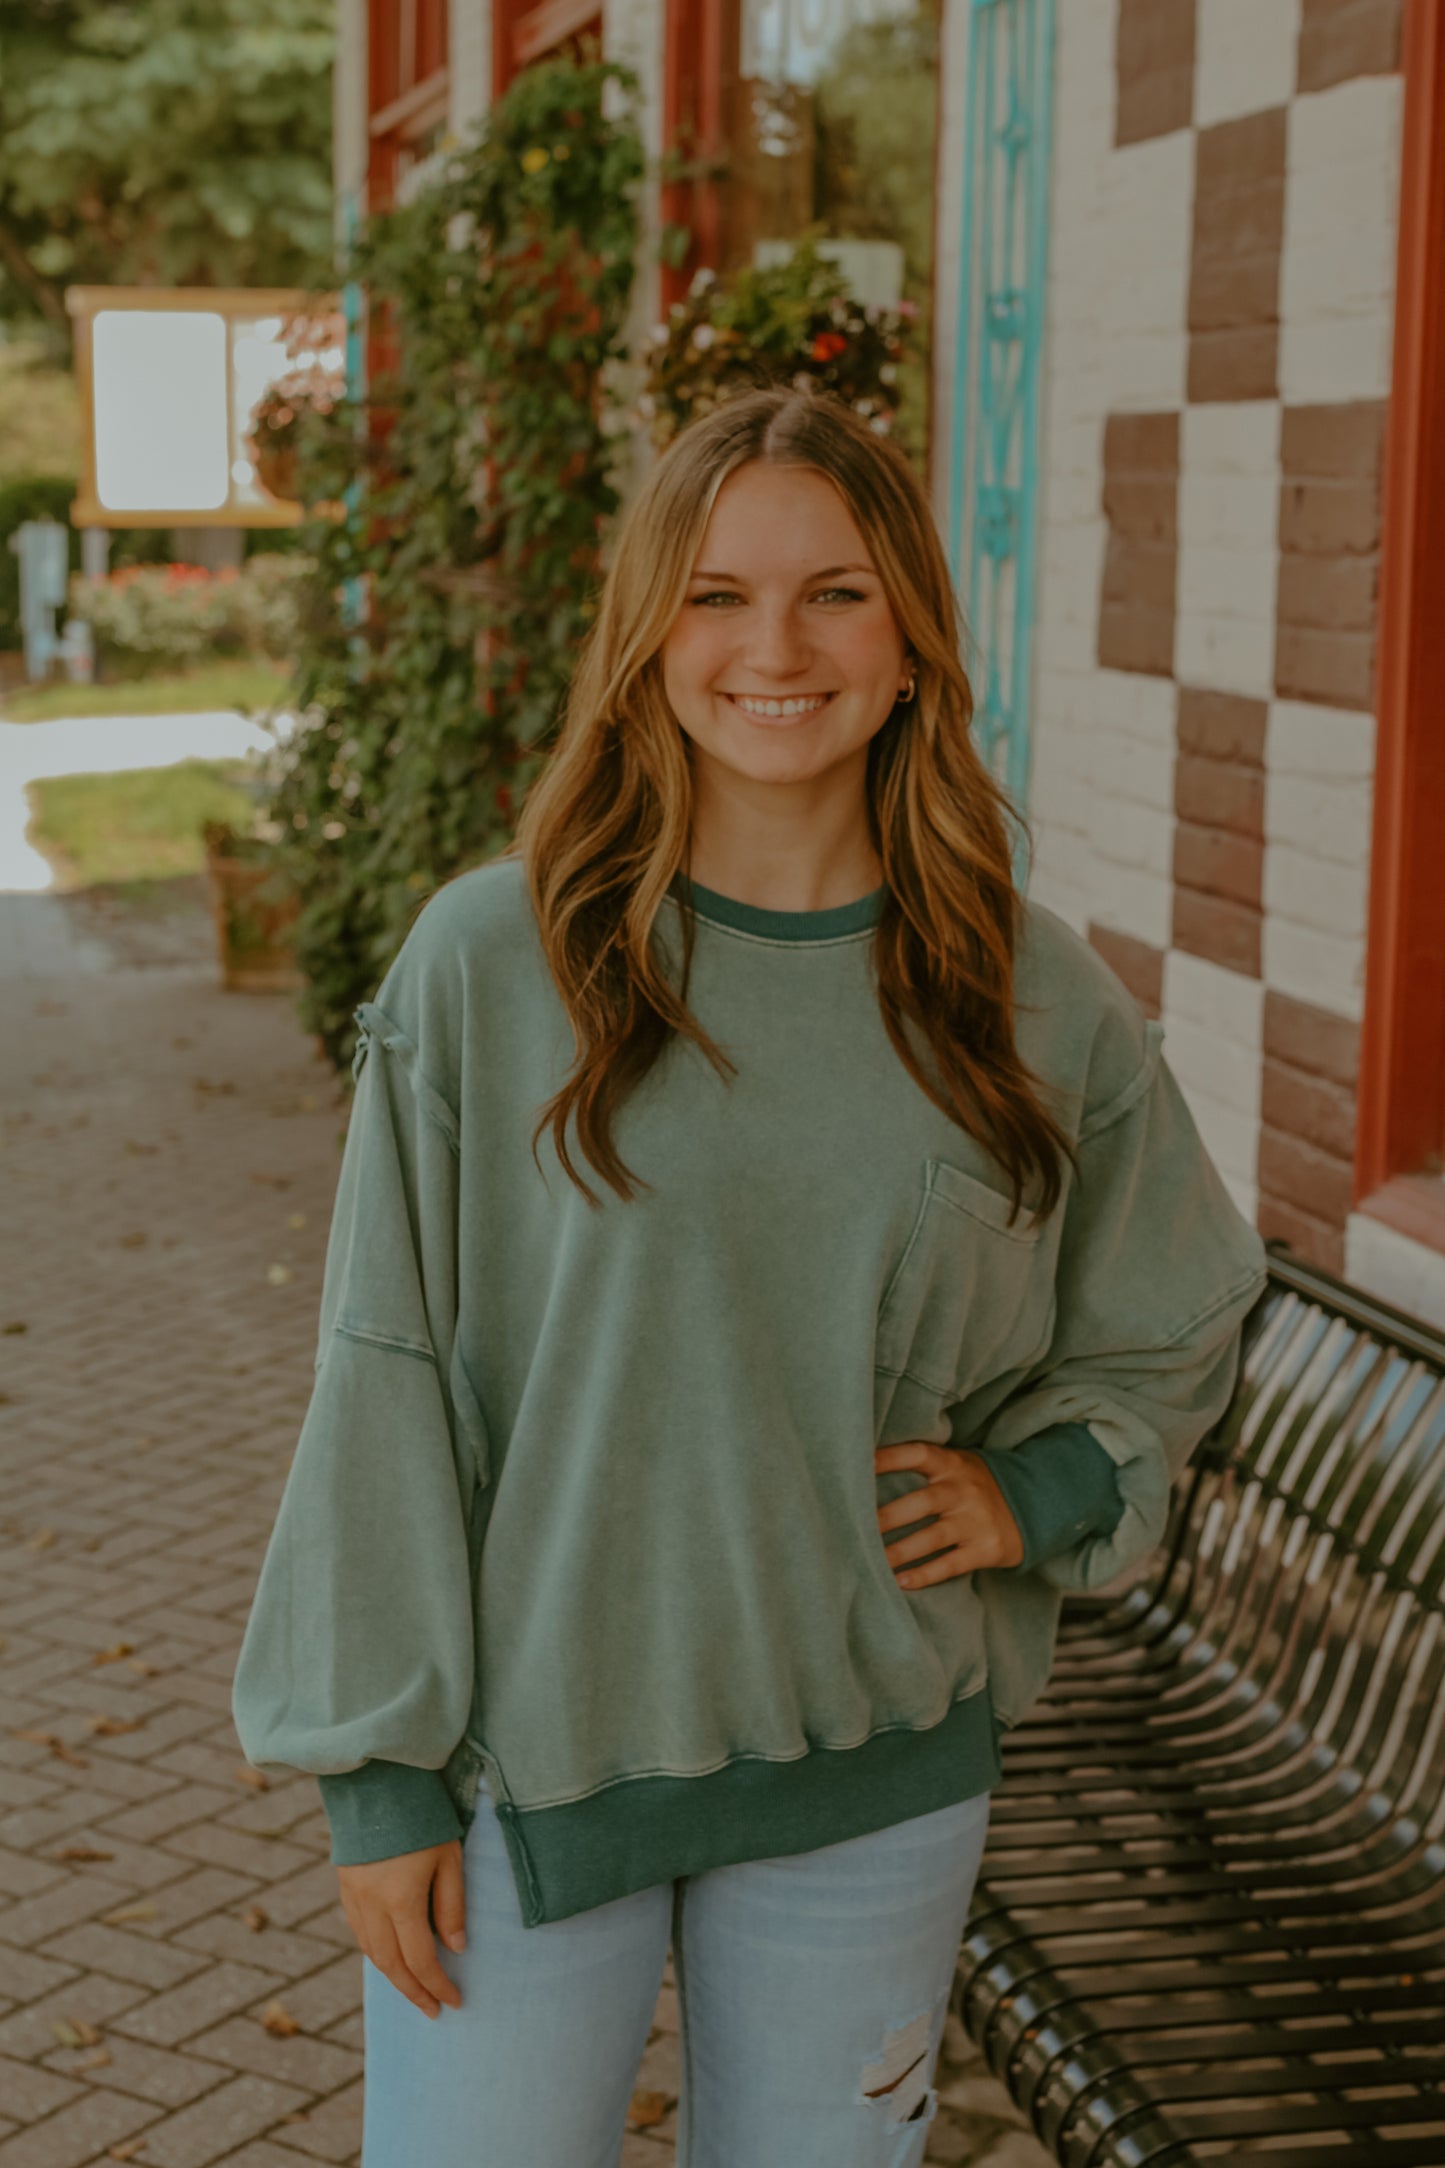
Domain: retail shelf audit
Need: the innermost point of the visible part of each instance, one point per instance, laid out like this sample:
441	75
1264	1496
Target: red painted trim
699	73
1414	1205
1402	1055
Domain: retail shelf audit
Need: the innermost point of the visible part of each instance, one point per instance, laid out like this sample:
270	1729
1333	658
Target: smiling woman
666	1554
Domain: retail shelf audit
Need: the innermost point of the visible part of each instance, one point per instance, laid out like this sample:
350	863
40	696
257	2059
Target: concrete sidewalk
177	1984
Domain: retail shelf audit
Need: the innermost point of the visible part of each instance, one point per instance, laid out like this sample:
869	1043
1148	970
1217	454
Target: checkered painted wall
1221	312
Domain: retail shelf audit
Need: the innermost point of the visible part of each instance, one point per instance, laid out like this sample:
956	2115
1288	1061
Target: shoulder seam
1114	1110
373	1024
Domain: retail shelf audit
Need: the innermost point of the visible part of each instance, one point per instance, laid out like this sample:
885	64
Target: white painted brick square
1132	900
1133	835
1337	271
1244	57
1223	1002
1230	1137
1223	1068
1228	546
1320	893
1240	438
1303	739
1131	771
1324	968
1228	654
1396	1269
1245	1195
1140	705
1319	816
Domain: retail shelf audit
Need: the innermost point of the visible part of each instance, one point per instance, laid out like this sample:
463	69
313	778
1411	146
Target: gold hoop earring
906	696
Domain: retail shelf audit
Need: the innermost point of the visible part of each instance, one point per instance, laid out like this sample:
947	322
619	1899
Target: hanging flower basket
254	907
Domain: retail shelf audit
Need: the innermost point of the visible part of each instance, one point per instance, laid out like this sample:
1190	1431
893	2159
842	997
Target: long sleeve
1156	1272
357	1663
1059	1486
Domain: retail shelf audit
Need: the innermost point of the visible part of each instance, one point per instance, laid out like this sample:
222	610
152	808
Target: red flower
827	344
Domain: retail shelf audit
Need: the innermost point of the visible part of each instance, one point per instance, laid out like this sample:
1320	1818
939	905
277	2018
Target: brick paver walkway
177	1983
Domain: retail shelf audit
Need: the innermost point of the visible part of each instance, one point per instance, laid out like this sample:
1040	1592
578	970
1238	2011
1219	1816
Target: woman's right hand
385	1903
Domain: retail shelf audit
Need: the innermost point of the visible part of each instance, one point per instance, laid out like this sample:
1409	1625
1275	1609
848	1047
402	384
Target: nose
777	644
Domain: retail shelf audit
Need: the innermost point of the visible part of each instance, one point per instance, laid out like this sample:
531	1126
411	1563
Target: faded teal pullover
585	1497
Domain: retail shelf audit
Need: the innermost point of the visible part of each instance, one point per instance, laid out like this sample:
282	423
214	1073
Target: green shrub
148	619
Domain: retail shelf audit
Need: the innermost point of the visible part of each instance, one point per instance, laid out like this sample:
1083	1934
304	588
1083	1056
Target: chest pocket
971	1295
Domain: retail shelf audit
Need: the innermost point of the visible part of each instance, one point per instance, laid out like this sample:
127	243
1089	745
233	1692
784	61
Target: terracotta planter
276	470
254	909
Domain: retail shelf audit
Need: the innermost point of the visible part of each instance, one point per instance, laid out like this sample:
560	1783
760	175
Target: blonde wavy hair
607	824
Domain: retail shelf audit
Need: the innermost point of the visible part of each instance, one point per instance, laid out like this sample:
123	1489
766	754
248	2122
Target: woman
771	1263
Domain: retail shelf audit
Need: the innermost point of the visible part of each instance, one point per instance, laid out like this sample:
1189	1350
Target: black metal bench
1212	1906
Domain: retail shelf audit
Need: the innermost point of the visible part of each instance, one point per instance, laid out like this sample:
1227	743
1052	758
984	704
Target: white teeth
779	707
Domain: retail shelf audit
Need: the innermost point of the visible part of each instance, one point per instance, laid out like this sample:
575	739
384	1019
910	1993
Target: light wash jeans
812	1992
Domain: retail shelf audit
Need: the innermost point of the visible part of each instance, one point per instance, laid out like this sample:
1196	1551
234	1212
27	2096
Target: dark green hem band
646	1830
384	1808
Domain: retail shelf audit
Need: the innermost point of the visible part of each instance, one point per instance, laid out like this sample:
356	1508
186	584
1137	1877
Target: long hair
607	823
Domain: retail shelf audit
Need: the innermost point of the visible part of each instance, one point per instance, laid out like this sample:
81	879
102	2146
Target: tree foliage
170	142
476	477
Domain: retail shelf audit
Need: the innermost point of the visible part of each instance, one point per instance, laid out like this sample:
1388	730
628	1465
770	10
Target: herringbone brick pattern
177	1984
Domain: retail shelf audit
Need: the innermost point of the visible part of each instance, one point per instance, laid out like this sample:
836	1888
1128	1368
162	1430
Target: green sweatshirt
585	1498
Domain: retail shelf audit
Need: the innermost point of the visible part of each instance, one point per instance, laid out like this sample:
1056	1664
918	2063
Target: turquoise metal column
993	486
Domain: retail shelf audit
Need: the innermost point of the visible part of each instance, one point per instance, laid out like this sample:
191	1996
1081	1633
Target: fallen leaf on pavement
277	2019
141	1151
147	1671
95	2060
142	1909
256	1778
56	1745
111	1727
128	2151
41	1540
648	2108
82	1851
113	1655
19	1325
256	1917
276	1181
296	1219
278	1275
136	1241
75	2032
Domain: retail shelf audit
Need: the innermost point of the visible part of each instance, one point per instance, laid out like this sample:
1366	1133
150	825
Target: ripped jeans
811	1994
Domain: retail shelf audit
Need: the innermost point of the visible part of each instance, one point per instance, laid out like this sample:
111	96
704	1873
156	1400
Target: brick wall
1224	207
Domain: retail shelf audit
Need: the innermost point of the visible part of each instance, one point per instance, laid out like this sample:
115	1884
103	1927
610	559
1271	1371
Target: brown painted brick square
1310	1038
1222	726
1218	863
1140	503
1242	363
1138	963
1327	518
1334	668
1154	68
1340	39
1310	1107
1308	1237
1142	444
1299	1174
1224	933
1340	594
1220	794
1333	441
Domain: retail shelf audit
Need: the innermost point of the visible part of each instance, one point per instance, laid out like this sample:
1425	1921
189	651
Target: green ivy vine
456	517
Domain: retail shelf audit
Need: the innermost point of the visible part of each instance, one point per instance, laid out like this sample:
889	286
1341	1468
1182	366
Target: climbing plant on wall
459	508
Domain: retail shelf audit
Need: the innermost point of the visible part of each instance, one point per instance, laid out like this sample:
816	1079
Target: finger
914	1505
947	1567
419	1953
388	1958
449	1898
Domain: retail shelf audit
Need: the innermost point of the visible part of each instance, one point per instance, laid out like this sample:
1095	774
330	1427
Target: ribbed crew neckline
754	918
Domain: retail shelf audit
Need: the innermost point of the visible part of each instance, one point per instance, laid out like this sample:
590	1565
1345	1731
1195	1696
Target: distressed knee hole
900	2074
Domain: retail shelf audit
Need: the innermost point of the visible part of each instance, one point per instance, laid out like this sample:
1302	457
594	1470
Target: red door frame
1402	1057
525	30
699	73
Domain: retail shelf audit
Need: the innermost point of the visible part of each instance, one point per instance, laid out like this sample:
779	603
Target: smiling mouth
779	710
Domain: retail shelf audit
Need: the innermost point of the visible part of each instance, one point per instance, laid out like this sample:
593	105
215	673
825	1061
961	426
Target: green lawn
241	684
143	824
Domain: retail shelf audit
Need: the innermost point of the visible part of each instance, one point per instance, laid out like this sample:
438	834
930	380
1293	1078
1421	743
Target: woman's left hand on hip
966	1508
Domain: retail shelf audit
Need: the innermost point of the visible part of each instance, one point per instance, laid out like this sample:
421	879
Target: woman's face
783	605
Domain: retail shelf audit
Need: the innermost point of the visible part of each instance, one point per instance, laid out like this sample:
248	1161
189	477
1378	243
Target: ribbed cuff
1059	1486
384	1808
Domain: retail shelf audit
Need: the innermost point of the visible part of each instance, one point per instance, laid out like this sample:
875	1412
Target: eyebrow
827	573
